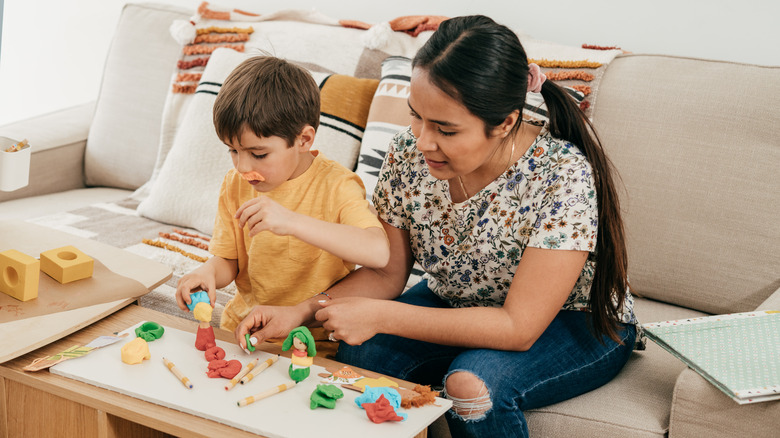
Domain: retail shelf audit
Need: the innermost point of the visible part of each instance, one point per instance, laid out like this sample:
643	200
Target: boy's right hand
195	282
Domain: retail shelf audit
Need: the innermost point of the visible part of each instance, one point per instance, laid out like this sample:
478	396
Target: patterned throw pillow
177	197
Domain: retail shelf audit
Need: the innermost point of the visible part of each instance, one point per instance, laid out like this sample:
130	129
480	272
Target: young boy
291	223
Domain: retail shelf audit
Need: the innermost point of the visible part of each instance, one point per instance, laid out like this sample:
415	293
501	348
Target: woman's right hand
268	322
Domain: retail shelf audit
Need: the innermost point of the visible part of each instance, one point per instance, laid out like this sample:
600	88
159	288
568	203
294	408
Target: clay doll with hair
303	351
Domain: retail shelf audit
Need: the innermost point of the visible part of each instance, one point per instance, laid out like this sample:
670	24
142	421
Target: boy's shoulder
325	167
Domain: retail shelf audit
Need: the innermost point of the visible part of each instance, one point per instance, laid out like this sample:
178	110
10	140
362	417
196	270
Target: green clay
149	331
249	345
325	396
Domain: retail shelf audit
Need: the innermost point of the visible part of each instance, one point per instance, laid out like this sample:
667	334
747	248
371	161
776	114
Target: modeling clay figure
201	310
304	350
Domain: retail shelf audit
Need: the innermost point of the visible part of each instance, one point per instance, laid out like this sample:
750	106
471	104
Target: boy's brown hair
269	96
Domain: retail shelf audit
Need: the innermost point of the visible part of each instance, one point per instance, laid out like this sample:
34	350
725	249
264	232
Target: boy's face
271	157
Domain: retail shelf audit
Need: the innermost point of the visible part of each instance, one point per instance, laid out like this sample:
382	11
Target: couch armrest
699	409
58	141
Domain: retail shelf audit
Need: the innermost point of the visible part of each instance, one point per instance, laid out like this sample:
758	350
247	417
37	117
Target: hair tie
535	78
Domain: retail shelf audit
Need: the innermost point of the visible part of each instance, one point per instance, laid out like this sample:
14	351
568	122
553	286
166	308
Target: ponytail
610	281
483	65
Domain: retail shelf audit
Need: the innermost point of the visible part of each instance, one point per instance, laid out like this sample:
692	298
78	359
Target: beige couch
696	142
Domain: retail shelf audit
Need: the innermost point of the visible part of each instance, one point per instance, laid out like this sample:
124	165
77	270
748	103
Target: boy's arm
363	246
216	273
366	247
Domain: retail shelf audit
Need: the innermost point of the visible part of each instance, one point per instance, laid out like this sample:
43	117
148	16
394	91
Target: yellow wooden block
19	275
66	264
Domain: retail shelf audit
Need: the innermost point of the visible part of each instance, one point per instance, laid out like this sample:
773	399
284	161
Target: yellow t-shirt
283	270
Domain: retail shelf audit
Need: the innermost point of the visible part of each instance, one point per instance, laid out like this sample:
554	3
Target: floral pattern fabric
470	250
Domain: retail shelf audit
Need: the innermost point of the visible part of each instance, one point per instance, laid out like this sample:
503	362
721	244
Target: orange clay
253	176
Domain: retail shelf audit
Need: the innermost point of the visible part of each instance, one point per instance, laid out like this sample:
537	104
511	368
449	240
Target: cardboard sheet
286	414
104	286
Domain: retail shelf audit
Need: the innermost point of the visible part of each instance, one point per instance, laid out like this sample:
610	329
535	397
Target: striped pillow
344	105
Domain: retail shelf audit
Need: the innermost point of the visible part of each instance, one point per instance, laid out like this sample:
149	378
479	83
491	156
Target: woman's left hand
353	320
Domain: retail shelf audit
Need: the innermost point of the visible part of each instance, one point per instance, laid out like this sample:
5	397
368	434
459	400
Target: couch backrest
125	131
697	144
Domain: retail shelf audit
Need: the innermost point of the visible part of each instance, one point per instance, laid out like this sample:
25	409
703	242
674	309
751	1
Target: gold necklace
509	163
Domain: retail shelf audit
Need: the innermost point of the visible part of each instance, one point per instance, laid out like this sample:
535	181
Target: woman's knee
469	394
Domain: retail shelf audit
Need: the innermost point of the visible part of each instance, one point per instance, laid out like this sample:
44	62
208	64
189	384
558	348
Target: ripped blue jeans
565	362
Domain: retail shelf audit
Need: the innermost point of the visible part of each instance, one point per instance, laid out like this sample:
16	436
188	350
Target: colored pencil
242	373
267	393
259	369
184	380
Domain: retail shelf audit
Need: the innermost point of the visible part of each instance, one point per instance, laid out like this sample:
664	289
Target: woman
525	300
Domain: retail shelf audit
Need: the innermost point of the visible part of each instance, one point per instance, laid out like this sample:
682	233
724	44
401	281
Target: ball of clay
135	351
202	312
223	368
215	353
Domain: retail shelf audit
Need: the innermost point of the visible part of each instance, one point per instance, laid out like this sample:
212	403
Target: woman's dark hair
482	64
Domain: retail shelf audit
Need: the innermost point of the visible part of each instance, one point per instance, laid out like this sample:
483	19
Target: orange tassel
201	50
187	240
173	248
197	236
197	62
184	88
188	77
594	47
221	38
584	89
551	63
216	29
567	75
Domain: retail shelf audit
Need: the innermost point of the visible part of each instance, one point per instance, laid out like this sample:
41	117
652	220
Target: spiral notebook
739	353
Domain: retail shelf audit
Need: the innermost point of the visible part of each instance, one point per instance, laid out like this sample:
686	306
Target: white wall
52	51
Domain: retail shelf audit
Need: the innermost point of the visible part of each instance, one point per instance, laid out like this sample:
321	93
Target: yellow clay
202	312
375	383
19	275
66	264
135	351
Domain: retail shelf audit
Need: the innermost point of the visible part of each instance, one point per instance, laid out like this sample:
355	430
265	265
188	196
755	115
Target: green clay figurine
304	350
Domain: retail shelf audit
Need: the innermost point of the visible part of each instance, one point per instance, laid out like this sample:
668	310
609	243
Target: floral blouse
470	250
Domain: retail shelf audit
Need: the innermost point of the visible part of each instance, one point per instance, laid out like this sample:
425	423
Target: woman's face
451	138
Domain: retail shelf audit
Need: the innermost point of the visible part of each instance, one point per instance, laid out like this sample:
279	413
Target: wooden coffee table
45	404
21	336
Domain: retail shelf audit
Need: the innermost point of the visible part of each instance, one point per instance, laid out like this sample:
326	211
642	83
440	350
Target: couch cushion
124	136
636	403
697	144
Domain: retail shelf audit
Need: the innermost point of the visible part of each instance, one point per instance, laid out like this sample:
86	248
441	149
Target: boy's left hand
265	214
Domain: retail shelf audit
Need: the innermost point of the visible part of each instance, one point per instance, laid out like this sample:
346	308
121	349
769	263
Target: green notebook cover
739	353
